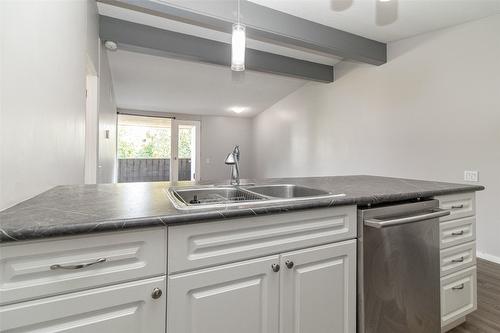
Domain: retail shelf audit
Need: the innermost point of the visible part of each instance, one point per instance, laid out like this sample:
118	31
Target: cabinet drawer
460	205
124	308
457	232
38	269
458	257
458	295
202	245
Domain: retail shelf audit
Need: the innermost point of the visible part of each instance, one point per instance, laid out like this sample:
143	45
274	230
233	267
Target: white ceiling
414	16
145	82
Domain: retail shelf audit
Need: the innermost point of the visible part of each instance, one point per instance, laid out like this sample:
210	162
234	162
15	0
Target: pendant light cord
238	11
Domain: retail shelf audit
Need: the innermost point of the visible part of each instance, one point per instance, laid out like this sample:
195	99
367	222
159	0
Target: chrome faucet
233	159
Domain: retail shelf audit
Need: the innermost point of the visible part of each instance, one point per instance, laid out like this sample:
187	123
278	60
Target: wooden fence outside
150	169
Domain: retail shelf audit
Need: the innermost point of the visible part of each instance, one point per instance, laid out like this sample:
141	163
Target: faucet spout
233	159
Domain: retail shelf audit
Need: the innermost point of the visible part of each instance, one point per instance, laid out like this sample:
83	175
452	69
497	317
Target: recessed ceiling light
238	109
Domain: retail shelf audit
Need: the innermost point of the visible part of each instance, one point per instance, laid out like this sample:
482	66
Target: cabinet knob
289	264
156	293
275	267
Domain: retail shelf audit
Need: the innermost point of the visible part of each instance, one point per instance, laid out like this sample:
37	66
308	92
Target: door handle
382	223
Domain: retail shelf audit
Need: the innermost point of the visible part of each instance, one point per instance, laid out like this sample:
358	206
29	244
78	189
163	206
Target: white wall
106	170
431	112
43	104
218	137
2	65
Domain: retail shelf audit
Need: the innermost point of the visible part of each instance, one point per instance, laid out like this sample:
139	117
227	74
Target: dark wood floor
487	317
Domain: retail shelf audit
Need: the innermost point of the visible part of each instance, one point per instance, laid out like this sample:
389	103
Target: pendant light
238	45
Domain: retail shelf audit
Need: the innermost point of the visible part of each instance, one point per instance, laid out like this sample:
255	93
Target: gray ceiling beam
150	40
269	25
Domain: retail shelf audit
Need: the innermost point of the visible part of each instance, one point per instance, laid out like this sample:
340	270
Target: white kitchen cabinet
458	295
457	232
31	270
195	246
458	258
125	308
317	294
318	291
460	205
224	277
241	297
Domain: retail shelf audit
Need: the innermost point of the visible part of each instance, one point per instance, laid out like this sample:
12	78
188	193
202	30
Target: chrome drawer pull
460	287
459	233
461	259
457	206
78	266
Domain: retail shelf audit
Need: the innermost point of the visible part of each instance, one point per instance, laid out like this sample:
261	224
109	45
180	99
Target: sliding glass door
186	150
157	149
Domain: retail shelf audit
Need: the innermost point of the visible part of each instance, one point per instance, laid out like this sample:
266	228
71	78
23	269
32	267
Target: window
144	137
157	149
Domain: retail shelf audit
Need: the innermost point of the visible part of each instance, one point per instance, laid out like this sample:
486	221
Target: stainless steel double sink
210	197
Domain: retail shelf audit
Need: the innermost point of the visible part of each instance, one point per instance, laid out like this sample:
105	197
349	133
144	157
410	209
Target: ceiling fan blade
340	5
386	12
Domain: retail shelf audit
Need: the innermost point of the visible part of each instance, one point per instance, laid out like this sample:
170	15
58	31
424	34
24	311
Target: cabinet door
241	297
318	289
124	308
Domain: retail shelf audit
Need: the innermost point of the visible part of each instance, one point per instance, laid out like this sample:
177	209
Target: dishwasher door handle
381	223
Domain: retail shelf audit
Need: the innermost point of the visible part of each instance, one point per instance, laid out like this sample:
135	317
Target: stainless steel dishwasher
398	268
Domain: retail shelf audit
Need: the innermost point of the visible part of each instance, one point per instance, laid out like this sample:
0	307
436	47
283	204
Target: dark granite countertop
76	209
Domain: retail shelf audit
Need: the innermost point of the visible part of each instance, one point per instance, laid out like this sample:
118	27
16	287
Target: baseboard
488	257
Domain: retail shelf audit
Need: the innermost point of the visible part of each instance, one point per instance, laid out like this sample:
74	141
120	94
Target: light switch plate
471	176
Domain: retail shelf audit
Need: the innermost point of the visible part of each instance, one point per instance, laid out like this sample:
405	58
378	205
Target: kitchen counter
76	209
